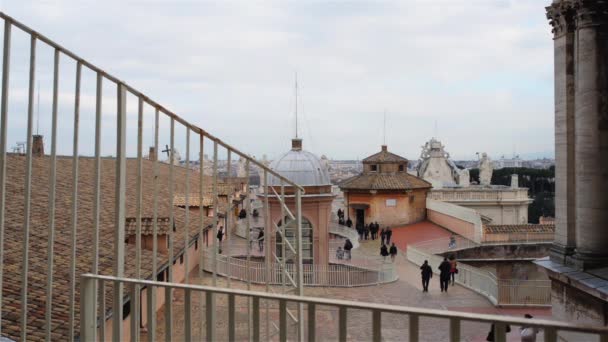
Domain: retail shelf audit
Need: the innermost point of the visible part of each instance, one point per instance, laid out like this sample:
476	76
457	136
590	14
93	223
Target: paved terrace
405	291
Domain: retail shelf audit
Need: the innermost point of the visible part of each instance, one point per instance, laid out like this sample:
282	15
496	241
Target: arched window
290	233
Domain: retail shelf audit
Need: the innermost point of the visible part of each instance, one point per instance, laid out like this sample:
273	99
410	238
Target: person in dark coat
366	231
347	247
393	252
384	251
375	232
220	234
382	236
490	336
261	240
444	274
427	273
361	233
349	223
388	233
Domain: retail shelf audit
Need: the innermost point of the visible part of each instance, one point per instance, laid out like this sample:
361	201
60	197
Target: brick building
385	192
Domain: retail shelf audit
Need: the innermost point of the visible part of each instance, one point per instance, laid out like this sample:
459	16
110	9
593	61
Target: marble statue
325	163
436	167
241	171
485	170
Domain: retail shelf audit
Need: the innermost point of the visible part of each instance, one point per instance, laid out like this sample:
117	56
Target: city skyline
348	57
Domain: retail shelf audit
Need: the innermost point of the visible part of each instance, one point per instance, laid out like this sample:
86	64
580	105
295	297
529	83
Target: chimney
514	181
296	144
37	145
384	148
152	154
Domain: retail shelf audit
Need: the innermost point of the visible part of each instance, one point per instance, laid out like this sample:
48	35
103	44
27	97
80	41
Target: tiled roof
62	247
147	225
193	199
384	157
385	181
519	228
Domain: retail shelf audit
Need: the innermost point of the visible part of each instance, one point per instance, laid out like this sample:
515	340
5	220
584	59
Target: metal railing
413	317
497	291
80	239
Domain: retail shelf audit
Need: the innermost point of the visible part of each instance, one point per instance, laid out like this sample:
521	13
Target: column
591	133
562	20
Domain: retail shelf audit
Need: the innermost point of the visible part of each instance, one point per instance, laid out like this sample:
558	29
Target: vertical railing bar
138	202
228	214
151	308
74	218
231	318
550	334
201	230
283	237
187	213
256	318
376	325
169	290
455	330
28	185
88	298
248	238
96	198
311	323
120	193
210	316
6	59
299	261
413	328
283	320
52	180
343	320
267	237
188	315
215	214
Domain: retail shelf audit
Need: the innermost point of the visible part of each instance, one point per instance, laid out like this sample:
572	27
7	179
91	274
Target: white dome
300	167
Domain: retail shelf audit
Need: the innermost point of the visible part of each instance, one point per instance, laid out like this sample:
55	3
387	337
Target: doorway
360	215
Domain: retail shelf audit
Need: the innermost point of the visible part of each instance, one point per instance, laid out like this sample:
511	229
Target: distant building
508	162
385	192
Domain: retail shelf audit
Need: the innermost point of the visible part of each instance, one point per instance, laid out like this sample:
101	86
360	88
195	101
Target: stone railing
457	195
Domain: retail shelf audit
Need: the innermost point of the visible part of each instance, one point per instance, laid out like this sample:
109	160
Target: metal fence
413	317
498	291
81	236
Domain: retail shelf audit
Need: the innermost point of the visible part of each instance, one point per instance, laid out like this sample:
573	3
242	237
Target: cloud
481	70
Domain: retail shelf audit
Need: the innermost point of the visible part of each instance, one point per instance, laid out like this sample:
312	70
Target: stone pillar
591	133
152	154
561	16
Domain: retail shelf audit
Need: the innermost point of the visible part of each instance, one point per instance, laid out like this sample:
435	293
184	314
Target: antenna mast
384	130
296	104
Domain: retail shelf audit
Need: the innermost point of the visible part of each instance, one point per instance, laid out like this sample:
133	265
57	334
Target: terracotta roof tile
385	181
37	274
384	157
519	228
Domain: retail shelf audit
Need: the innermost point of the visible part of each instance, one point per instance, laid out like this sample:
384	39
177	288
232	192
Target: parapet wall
460	220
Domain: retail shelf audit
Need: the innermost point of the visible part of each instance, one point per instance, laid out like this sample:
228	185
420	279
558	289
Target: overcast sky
477	74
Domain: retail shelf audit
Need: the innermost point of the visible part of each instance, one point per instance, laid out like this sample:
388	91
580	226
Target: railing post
255	311
311	322
88	309
500	332
454	329
342	325
376	325
413	328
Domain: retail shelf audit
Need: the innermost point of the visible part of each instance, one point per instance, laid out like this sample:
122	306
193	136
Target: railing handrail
488	318
144	97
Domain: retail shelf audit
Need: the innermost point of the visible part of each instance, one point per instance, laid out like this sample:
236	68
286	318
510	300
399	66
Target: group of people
385	251
527	333
345	253
447	273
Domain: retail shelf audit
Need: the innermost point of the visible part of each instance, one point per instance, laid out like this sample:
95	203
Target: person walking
384	251
382	236
261	240
347	247
427	273
490	336
376	229
360	232
528	334
393	252
366	231
349	223
388	234
220	235
453	268
444	274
